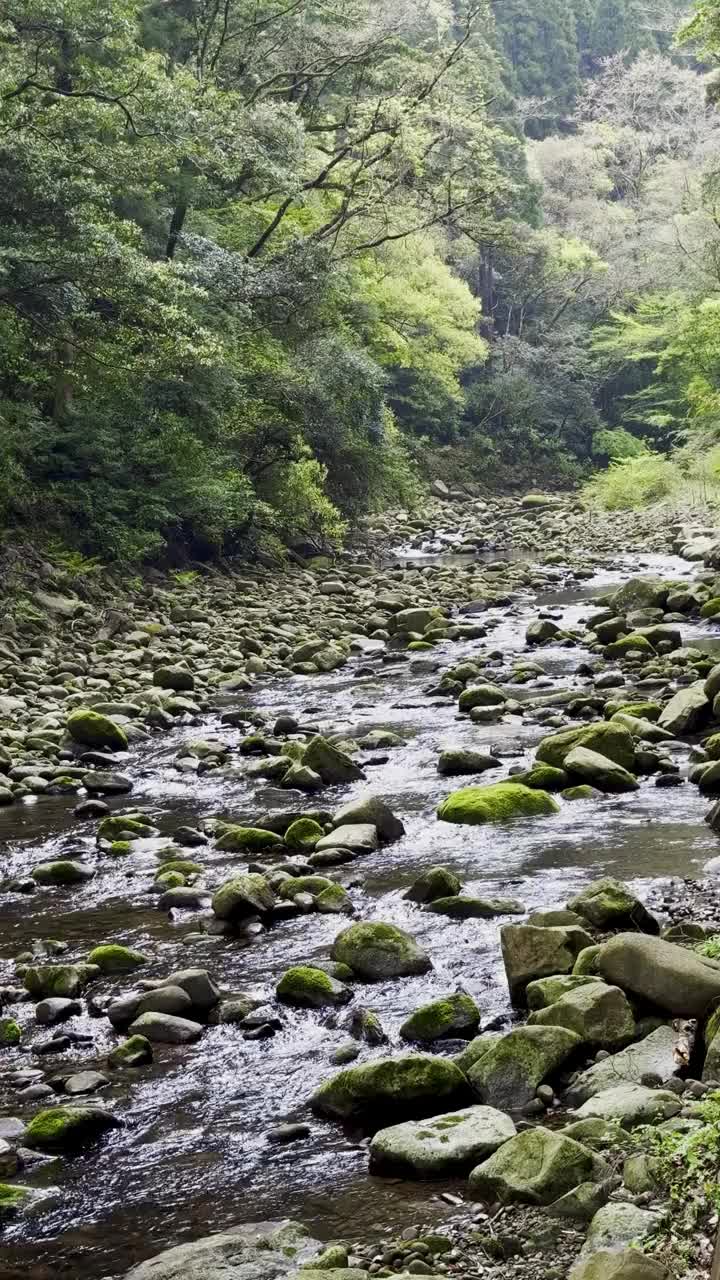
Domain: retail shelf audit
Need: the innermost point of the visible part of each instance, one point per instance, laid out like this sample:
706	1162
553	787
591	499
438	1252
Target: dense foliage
266	265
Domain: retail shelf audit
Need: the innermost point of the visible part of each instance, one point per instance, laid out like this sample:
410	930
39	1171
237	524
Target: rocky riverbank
266	823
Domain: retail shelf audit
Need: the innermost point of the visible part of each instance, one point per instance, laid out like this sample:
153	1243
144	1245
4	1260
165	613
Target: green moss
235	839
641	710
582	792
481	695
587	961
113	958
414	1084
498	802
133	1052
10	1032
183	866
544	777
170	880
12	1199
93	730
65	1128
58	979
63	872
634	641
304	884
135	824
710	608
455	1013
607	738
303	834
303	985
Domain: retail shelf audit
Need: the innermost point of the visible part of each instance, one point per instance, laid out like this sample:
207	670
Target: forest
268	265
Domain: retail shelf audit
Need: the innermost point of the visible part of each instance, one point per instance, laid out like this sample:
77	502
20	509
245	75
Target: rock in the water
457	762
412	1085
165	1028
370	808
606	738
437	882
358	837
62	872
311	988
530	952
687	710
631	1105
675	979
112	958
509	1073
498	802
536	1167
609	904
455	1015
67	1128
445	1144
599	1014
133	1052
329	762
376	951
599	772
244	895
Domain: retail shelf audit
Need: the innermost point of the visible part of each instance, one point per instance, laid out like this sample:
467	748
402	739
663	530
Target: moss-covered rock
69	980
582	792
454	1015
635	642
462	907
243	896
588	961
499	802
133	1052
481	695
375	951
543	777
67	1128
112	958
177	679
610	904
62	872
436	882
10	1033
133	824
530	952
303	834
601	1015
412	1085
238	839
605	737
599	772
311	988
330	763
508	1075
90	729
14	1198
536	1167
458	761
545	991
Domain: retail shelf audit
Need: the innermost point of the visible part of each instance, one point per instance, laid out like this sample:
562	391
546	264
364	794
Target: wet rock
303	834
599	1014
68	980
618	1225
610	904
364	1024
605	738
260	1251
437	882
667	975
630	1105
329	762
530	953
445	1144
56	1009
599	772
497	802
167	999
509	1073
454	1015
91	729
686	711
413	1085
136	1051
112	958
462	907
535	1167
358	837
481	695
243	896
16	1199
68	1128
625	1264
62	872
240	839
183	898
166	1028
289	1133
375	951
85	1082
197	984
370	808
311	988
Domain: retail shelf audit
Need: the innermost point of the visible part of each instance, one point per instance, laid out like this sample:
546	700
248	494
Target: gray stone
667	975
444	1144
261	1251
654	1056
616	1226
630	1105
165	1028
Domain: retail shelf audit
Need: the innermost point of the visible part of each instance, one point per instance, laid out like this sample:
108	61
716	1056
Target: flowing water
194	1156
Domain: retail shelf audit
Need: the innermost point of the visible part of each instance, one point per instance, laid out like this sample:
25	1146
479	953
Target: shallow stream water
194	1156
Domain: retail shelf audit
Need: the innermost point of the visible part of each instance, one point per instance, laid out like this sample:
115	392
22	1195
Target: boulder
655	1056
630	1105
677	980
609	904
375	951
535	1167
508	1074
239	839
259	1251
600	1015
63	872
462	907
458	761
177	679
455	1015
197	984
243	896
625	1264
67	1128
112	958
358	837
437	882
90	729
370	808
639	593
617	1226
545	991
498	802
311	988
58	979
165	1028
687	710
530	952
329	762
133	1052
413	1085
481	695
605	737
446	1144
598	771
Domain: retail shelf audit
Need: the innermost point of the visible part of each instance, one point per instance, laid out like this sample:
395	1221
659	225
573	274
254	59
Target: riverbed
194	1156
